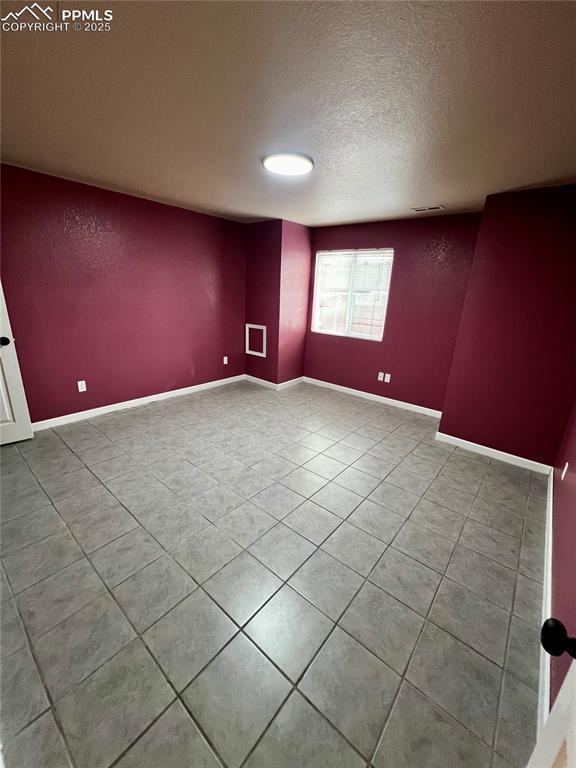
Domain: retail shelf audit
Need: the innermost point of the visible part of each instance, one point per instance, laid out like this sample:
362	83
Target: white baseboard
271	384
286	384
377	398
544	680
70	418
262	382
509	458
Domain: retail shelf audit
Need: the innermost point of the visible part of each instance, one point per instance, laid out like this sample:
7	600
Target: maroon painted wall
133	296
564	548
263	252
513	375
294	295
432	258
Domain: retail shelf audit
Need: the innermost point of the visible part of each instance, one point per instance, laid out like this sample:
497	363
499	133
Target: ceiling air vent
425	208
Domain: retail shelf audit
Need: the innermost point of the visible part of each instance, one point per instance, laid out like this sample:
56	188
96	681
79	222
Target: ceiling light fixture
288	164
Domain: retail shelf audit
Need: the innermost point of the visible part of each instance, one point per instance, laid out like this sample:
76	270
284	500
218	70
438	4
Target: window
351	292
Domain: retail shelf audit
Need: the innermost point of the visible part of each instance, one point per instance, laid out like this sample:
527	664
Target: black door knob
4	341
555	640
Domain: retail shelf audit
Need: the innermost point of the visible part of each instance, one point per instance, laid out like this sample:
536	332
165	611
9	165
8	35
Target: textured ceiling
401	104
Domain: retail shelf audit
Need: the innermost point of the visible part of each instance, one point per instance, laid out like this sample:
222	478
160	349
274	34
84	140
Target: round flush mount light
288	164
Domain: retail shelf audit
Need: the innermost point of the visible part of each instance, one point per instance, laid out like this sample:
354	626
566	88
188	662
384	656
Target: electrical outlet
81	386
380	376
563	475
387	378
225	359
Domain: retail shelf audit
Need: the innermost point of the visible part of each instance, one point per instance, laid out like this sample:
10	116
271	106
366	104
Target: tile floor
267	579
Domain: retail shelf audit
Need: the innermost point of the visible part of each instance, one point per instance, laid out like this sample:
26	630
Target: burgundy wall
564	548
432	258
134	297
263	252
513	375
294	295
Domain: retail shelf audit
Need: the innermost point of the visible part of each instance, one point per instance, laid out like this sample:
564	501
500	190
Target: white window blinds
351	292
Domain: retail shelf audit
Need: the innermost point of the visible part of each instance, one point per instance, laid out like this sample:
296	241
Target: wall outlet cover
380	376
82	386
387	378
225	359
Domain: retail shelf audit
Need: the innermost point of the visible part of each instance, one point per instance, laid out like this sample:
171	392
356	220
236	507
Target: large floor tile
439	519
126	555
217	502
528	599
325	466
343	453
484	576
355	548
423	465
373	466
60	486
298	454
153	591
282	550
172	525
337	499
206	552
327	583
299	736
457	678
242	587
51	601
478	623
21	494
40	560
424	545
12	636
103	715
289	630
411	582
71	651
396	499
523	655
235	698
447	496
487	541
171	742
376	520
497	516
352	688
408	481
356	481
384	625
40	744
246	523
419	734
113	466
516	732
249	483
29	529
138	491
22	695
277	500
188	637
303	481
312	521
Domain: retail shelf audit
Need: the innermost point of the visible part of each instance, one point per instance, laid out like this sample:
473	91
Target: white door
556	745
14	417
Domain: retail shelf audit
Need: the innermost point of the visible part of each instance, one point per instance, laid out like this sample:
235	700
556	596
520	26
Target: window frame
349	334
